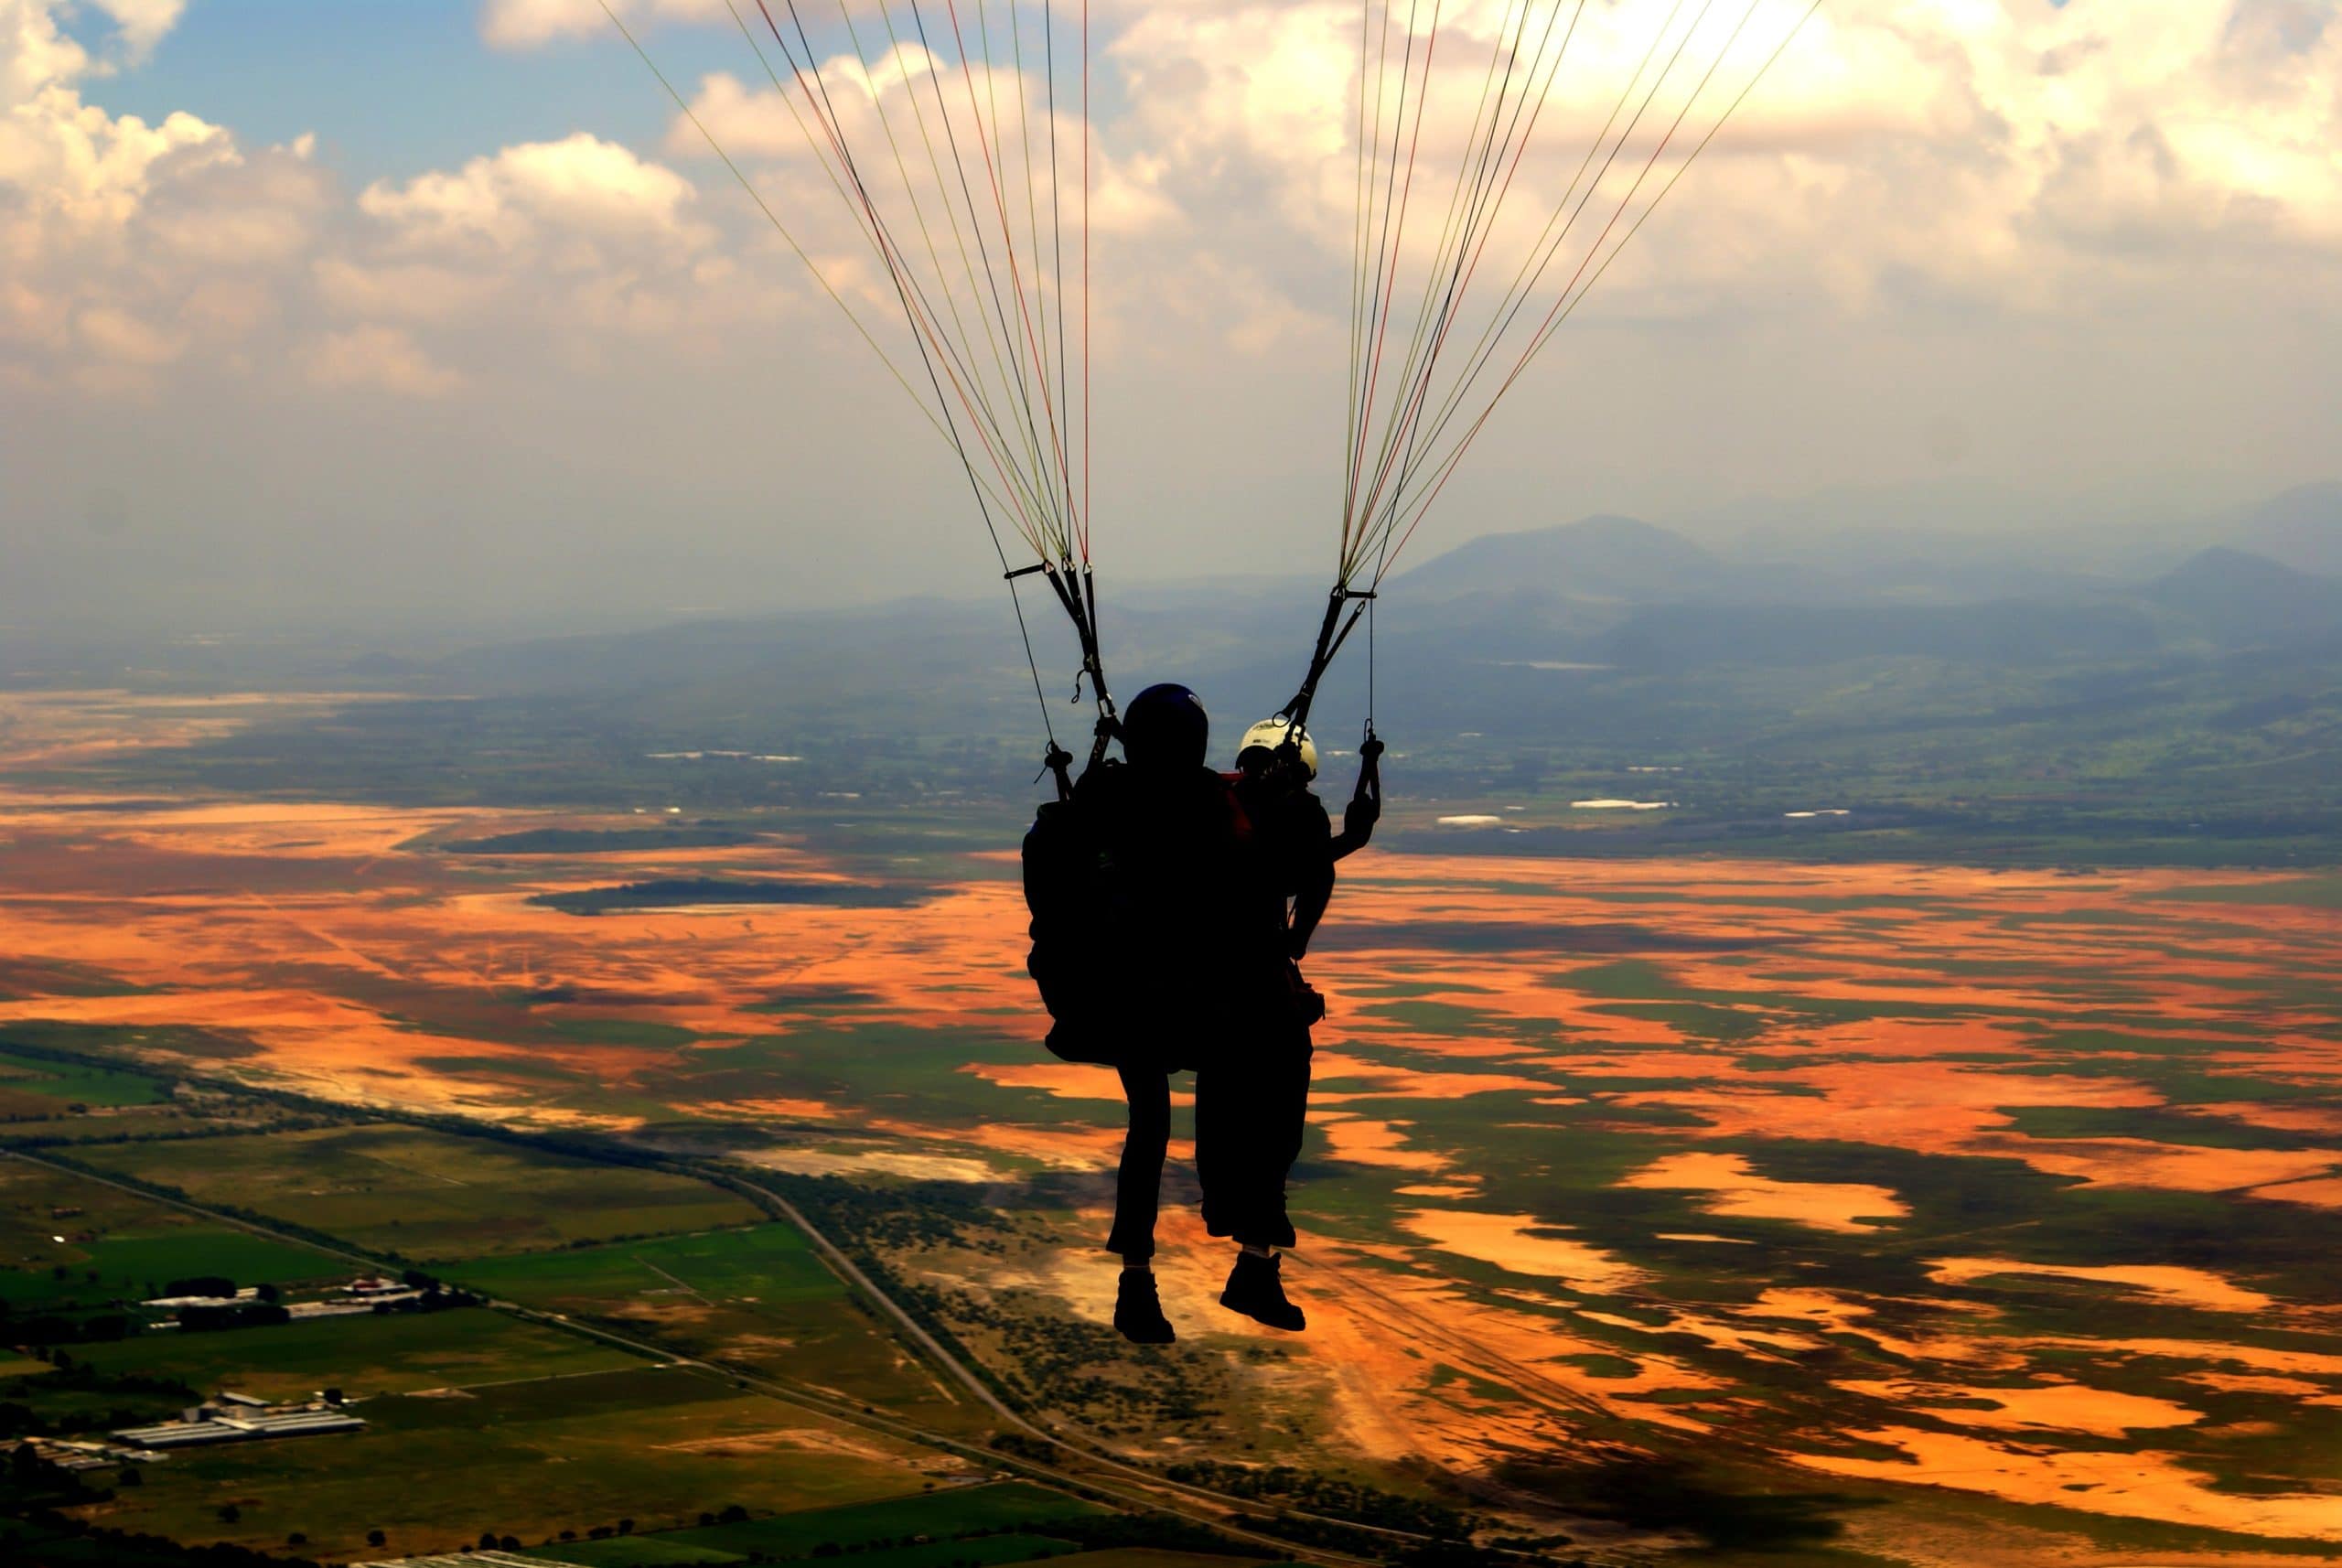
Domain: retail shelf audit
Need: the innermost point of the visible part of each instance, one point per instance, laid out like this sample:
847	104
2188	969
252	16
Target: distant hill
2300	528
1603	557
2244	599
2009	632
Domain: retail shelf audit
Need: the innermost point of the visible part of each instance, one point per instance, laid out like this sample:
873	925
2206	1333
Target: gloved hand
1365	809
1308	1002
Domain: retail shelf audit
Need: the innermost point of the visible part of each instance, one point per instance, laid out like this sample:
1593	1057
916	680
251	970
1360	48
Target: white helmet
1271	734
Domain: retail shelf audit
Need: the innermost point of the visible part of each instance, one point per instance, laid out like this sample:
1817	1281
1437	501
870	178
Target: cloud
380	358
528	24
143	22
124	242
2006	184
581	184
133	251
118	336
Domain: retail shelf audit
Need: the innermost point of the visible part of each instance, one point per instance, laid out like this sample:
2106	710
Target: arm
1365	809
1309	901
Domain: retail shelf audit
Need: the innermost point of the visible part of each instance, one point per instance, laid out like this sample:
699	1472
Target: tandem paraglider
1173	902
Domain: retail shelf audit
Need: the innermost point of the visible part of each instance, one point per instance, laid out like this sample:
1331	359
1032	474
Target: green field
755	1297
362	1356
1014	1509
133	1245
767	1264
33	1086
424	1195
708	1547
529	1459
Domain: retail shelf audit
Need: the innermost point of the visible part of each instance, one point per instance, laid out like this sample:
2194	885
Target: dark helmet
1165	729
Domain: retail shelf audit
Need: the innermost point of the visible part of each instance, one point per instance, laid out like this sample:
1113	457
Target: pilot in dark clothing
1252	1103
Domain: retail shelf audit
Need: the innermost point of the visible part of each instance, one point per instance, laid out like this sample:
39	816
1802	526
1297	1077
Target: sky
392	306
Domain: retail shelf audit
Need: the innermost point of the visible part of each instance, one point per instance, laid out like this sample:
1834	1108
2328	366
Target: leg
1261	1129
1225	1136
1138	1190
1278	1114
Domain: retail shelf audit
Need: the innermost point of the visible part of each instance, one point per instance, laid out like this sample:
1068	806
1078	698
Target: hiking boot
1255	1289
1138	1310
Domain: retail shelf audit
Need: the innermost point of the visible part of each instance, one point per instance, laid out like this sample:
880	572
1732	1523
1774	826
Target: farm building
209	1427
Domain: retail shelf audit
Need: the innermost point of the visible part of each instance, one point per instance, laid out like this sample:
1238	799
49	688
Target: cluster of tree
64	1326
29	1471
201	1284
144	1131
80	1541
1164	1533
1330	1496
1066	1363
203	1316
1036	1450
436	1299
925	1213
160	1395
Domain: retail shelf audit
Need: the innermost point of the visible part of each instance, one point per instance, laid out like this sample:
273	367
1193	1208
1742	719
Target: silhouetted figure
1145	961
1171	905
1252	1101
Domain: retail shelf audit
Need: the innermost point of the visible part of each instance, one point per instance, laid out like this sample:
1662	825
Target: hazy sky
434	300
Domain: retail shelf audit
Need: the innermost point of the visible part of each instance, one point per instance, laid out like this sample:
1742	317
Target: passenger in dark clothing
1252	1103
1171	905
1183	960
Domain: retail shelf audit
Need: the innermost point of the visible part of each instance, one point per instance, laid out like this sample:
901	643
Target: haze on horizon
394	308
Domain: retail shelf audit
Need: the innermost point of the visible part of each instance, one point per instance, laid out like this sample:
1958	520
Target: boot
1138	1310
1255	1289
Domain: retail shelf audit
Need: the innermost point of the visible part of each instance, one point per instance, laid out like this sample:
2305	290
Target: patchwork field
1907	1206
403	1191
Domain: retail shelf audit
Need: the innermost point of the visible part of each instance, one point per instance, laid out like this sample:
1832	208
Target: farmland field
421	1194
57	1230
528	1459
363	1355
1021	1512
1868	1207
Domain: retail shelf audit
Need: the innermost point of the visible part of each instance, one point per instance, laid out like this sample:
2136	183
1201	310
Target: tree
509	1543
130	1477
376	1538
230	1513
488	1540
626	1527
297	1539
268	1292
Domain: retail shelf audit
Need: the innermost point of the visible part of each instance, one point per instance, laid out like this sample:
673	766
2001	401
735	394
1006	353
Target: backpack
1069	959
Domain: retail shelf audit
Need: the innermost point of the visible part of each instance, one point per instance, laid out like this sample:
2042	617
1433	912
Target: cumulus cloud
143	23
131	248
525	24
384	359
581	184
2072	176
2000	153
121	239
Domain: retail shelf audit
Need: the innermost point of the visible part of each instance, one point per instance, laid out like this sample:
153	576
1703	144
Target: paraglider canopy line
982	297
1416	406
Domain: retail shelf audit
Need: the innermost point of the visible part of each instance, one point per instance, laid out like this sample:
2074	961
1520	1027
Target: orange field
2016	1189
